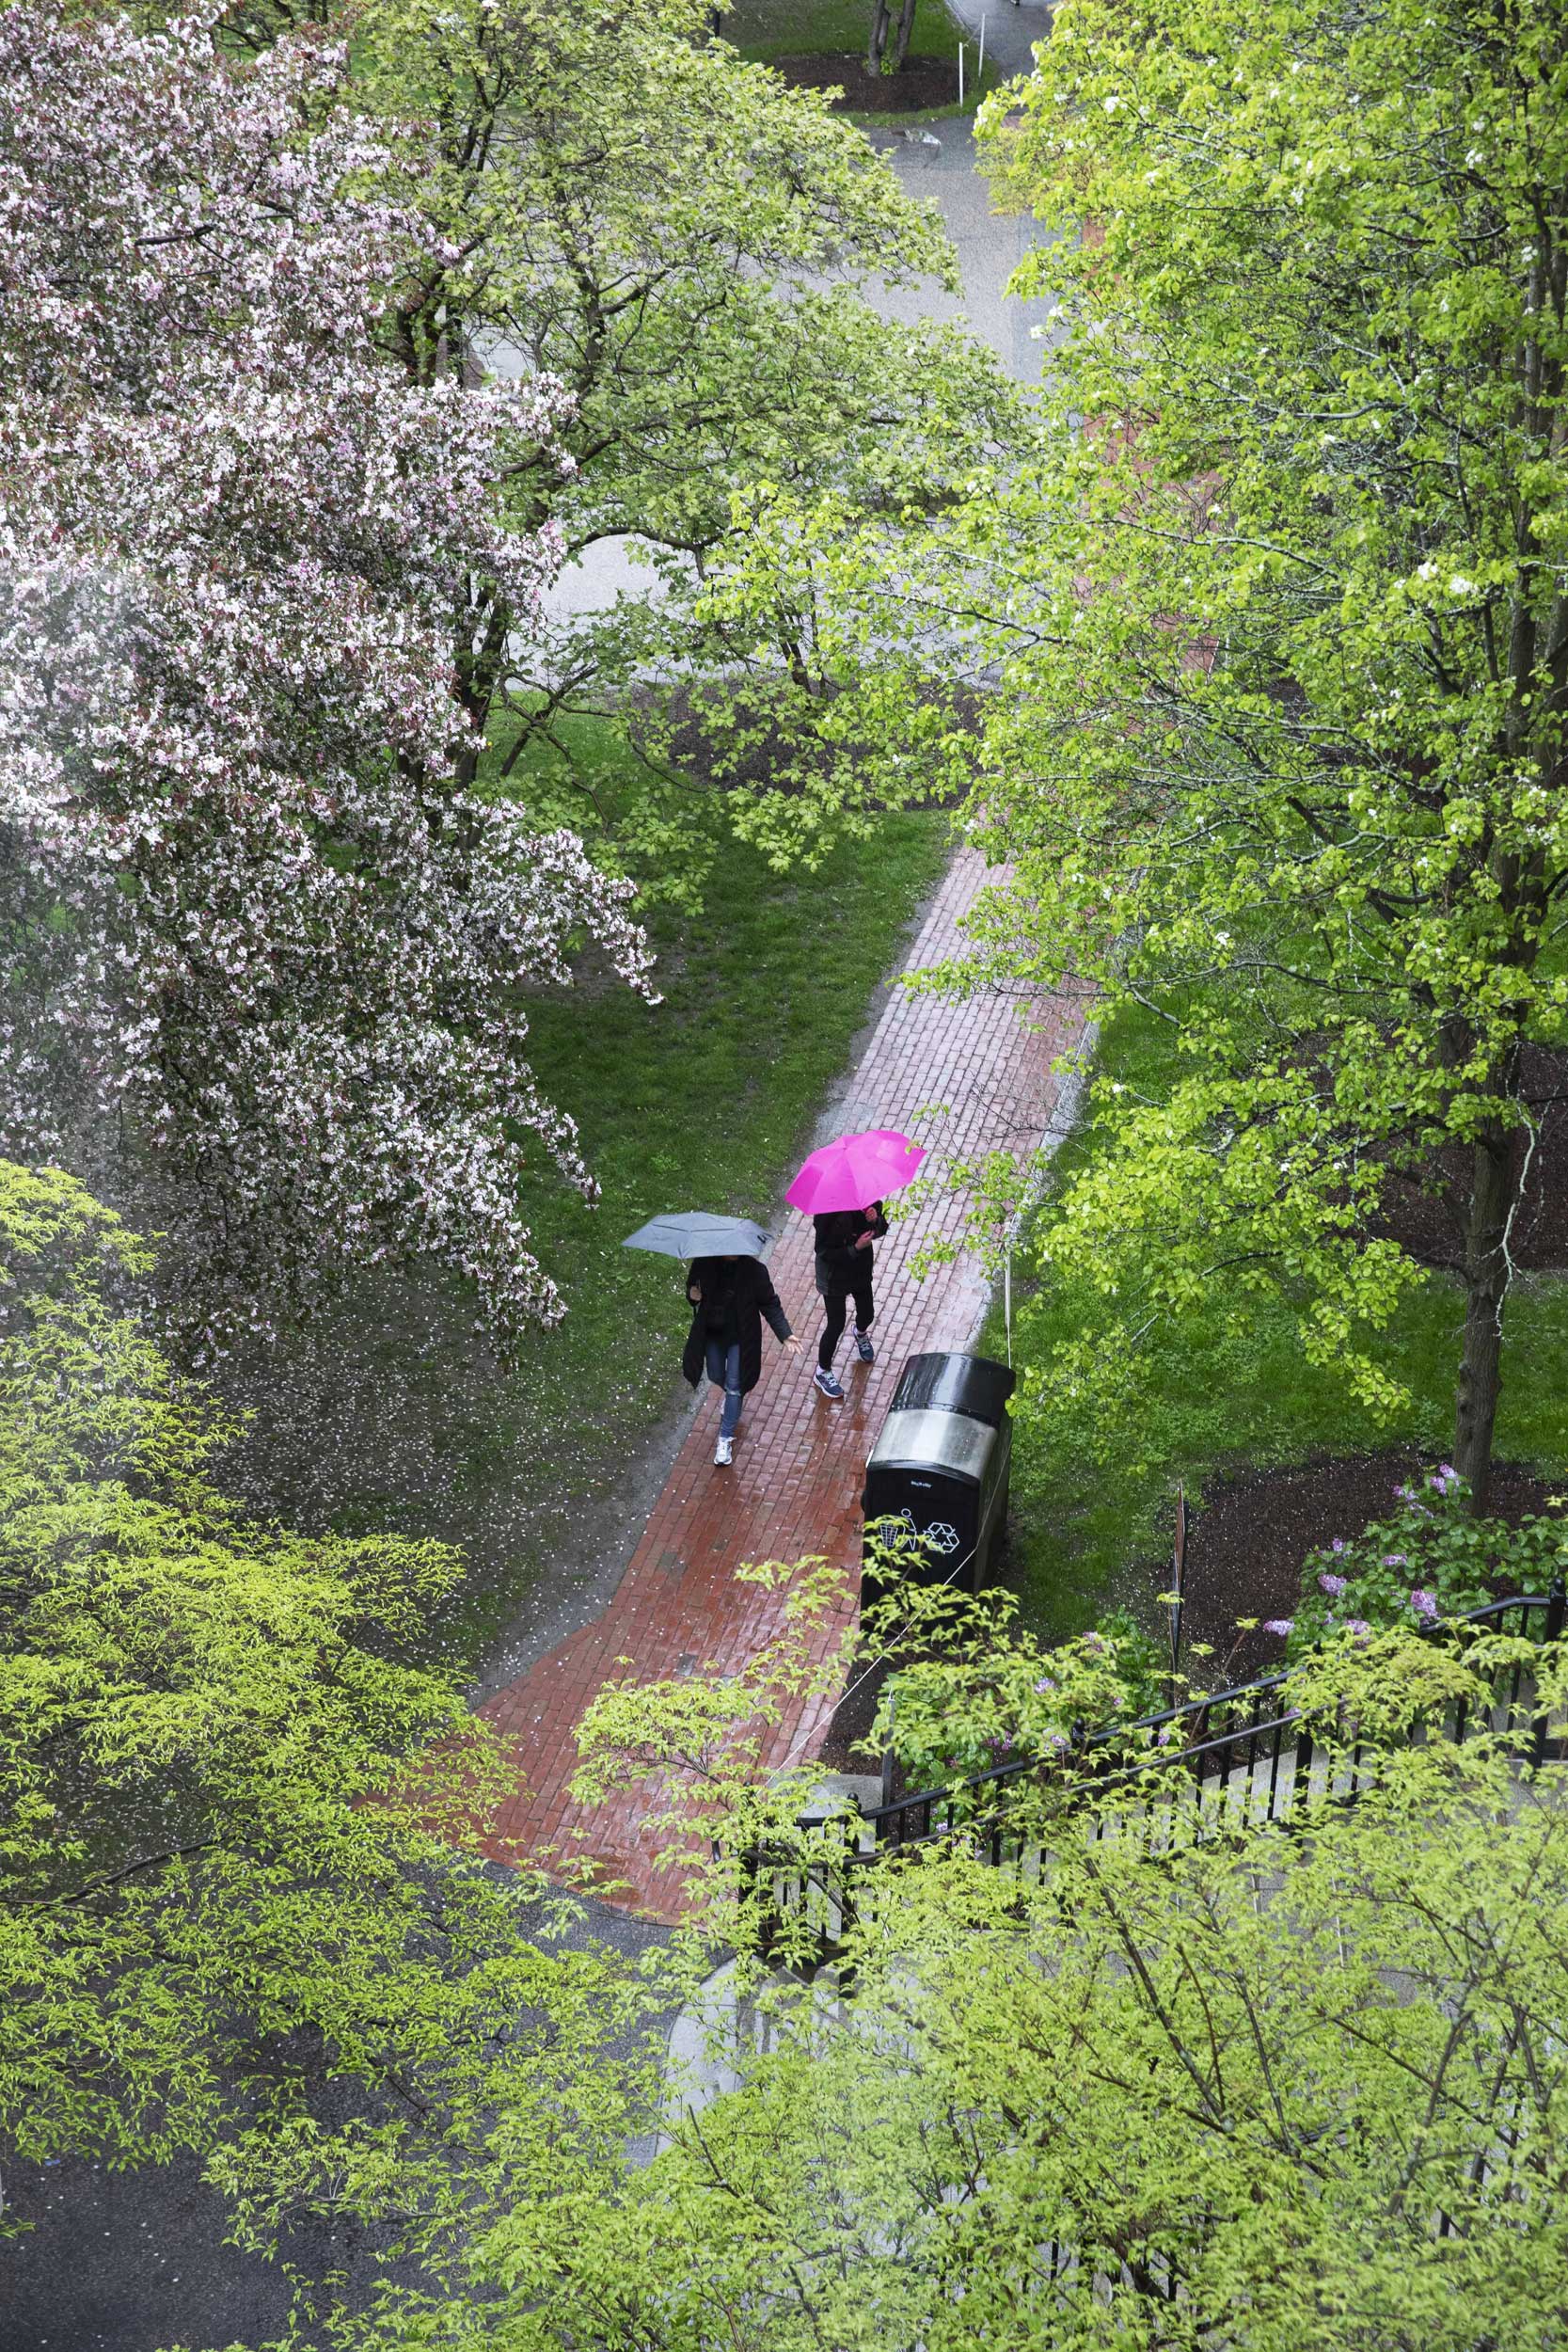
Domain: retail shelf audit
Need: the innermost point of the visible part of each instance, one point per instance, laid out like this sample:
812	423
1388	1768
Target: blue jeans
724	1370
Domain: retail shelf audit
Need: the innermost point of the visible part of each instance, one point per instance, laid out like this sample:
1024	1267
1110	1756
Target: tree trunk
881	17
1495	1184
906	28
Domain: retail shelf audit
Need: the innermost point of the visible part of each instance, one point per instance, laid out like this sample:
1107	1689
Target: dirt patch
924	82
1245	1547
1426	1217
853	1717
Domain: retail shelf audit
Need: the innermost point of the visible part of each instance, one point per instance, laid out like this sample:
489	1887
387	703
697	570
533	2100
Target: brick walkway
981	1075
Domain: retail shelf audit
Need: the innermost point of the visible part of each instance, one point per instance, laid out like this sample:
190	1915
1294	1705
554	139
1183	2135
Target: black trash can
937	1476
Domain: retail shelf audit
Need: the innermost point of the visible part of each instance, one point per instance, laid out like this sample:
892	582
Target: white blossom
247	901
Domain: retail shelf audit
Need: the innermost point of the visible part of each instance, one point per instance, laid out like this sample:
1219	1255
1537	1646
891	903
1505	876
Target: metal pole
1178	1571
887	1763
960	73
1556	1608
980	61
1007	1296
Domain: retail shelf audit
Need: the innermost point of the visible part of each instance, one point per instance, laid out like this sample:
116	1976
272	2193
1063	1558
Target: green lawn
770	29
704	1101
1218	1402
831	28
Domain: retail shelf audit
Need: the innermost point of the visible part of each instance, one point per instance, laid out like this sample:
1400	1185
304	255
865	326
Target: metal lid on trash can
975	1386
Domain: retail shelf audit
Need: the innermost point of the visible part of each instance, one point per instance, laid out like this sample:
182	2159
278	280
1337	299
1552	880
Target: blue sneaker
828	1385
863	1348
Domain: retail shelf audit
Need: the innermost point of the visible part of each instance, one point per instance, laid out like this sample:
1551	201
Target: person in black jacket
729	1298
844	1244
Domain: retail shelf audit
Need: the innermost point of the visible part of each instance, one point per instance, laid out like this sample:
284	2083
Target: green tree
882	27
239	1830
685	244
1162	2091
1277	645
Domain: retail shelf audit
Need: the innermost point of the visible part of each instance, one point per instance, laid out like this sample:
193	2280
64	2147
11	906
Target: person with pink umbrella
842	1188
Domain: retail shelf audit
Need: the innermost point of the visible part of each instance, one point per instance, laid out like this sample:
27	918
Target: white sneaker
724	1453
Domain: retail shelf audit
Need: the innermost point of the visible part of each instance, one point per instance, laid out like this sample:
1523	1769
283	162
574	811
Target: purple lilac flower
1396	1560
1164	1735
1424	1603
1059	1741
1334	1584
1404	1494
1280	1625
1044	1684
1338	1545
1357	1626
1094	1642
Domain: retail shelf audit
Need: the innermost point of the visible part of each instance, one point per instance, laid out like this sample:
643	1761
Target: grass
765	29
704	1101
1220	1400
770	29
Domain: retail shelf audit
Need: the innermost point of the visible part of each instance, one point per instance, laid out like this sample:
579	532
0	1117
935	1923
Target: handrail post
887	1763
1557	1609
1178	1579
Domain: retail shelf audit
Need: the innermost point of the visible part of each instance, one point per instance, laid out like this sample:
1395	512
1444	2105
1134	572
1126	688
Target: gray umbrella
696	1234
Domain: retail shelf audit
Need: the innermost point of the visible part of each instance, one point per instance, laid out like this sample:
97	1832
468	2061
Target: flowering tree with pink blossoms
249	907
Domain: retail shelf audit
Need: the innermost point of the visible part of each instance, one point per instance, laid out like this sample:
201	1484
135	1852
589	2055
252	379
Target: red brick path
981	1075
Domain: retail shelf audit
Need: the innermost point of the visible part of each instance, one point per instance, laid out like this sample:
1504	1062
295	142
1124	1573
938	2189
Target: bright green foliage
237	1848
1311	755
1224	1388
681	241
1280	643
969	1688
1287	2090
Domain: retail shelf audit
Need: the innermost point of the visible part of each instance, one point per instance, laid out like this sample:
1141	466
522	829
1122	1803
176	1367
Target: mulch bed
1245	1547
1426	1219
924	82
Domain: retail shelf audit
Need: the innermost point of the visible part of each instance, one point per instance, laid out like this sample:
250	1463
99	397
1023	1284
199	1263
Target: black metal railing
1232	1759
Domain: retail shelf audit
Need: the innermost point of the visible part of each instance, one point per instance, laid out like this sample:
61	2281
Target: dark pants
841	1289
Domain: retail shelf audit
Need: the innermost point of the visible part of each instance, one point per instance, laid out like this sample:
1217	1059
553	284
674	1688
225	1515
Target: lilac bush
1431	1559
250	909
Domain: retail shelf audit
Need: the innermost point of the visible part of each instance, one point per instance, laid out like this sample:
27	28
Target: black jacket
746	1284
837	1258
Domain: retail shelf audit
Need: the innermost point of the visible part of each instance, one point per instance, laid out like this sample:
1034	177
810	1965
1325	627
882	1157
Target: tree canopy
1148	2087
1272	634
692	250
239	1863
250	901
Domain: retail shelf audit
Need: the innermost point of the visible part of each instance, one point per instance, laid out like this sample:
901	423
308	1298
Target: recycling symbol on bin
940	1537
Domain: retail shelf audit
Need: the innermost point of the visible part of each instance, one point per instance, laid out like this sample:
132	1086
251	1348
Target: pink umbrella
855	1171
